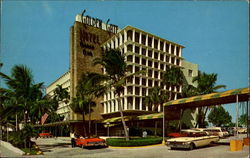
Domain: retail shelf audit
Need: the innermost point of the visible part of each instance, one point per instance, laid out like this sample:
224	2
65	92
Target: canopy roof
151	116
212	99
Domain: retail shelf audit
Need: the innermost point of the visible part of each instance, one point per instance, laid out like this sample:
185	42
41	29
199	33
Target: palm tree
23	90
156	96
114	78
173	77
206	84
83	102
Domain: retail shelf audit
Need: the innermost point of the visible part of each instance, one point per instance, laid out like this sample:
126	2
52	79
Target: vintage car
193	140
45	134
217	131
87	142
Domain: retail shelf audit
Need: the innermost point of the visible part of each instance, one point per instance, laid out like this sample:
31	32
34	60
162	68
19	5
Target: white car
195	139
217	131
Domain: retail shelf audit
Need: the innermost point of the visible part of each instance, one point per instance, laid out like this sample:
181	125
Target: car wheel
191	147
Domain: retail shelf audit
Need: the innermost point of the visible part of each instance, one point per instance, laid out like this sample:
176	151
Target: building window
156	74
156	44
143	51
130	102
156	55
137	60
150	53
129	34
137	37
137	91
149	83
172	49
156	65
149	41
150	63
190	73
137	49
143	39
130	58
167	47
129	48
161	46
137	103
130	90
143	61
137	80
144	82
149	73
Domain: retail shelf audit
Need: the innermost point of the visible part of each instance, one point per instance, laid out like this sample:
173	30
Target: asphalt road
61	147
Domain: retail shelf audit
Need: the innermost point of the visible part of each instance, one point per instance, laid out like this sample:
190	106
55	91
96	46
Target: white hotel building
143	51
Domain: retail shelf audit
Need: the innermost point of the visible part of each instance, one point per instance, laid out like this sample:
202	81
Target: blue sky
215	34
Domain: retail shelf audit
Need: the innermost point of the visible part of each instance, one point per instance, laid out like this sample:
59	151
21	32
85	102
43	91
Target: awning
150	116
116	119
212	99
60	123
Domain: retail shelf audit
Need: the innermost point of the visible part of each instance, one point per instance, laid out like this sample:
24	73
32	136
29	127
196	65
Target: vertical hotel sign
86	37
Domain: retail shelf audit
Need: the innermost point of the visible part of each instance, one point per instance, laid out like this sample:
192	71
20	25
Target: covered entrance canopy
226	97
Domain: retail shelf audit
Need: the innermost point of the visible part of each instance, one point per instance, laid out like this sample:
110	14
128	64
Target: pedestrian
73	141
144	134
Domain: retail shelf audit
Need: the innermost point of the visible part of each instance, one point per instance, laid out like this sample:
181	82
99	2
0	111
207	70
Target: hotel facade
143	51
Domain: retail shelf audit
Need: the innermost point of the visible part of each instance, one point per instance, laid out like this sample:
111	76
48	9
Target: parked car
242	130
193	140
45	134
87	142
217	131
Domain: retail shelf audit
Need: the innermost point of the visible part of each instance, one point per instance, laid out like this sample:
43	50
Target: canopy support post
163	126
237	113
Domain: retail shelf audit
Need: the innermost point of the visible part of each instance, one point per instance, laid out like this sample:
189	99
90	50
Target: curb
11	147
133	147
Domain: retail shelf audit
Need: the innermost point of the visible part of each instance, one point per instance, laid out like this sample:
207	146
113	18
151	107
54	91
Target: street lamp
108	128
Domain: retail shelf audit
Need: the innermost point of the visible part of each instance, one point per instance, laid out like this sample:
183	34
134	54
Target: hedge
133	141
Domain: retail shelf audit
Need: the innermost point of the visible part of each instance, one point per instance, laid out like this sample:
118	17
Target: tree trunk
122	118
84	126
89	122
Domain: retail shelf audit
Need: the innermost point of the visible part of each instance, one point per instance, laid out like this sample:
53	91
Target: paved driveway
60	147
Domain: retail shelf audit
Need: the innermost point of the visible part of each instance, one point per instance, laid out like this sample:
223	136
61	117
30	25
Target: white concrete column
120	37
147	40
116	108
153	42
125	103
133	35
140	107
116	42
125	36
175	50
164	46
105	107
180	52
159	44
140	38
133	103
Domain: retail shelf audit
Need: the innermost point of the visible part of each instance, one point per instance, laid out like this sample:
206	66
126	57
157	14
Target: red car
45	135
87	142
175	135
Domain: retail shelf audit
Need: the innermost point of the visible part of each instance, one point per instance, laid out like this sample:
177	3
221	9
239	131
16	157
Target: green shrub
133	141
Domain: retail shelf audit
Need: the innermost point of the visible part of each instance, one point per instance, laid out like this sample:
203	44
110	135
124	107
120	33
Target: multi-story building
64	81
143	51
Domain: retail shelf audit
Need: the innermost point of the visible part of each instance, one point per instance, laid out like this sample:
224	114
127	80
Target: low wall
11	147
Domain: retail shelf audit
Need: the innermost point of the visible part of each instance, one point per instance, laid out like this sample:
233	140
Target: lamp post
1	132
163	126
108	129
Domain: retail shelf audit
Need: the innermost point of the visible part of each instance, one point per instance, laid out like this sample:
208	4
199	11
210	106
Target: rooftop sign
95	22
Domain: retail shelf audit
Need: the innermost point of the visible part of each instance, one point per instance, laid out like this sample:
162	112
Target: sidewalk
4	152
